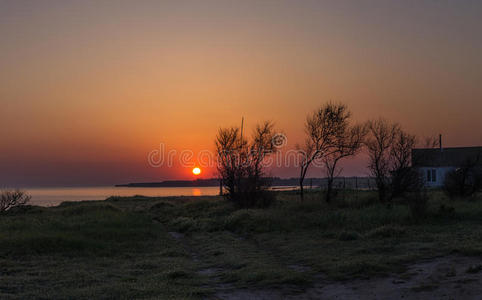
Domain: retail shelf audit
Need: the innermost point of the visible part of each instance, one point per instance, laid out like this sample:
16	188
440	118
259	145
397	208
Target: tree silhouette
240	164
348	143
323	127
381	135
12	198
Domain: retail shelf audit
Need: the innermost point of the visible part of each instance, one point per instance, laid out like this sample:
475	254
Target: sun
196	171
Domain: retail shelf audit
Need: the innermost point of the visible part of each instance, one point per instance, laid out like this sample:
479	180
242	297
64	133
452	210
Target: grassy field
191	247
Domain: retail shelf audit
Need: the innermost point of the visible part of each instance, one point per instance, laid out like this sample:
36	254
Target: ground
438	278
205	248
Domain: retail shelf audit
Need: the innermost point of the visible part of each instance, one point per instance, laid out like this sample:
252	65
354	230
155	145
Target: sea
52	196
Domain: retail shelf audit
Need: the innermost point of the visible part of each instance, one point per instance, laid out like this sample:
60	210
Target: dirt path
451	277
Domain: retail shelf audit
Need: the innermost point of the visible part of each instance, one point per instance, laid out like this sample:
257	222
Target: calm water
55	196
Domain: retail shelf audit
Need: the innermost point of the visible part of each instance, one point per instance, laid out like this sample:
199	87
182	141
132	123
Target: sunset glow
96	87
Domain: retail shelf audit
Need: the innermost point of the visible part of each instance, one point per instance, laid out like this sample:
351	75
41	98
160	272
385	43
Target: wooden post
220	187
344	187
356	188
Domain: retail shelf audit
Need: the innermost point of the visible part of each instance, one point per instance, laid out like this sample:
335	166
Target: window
431	175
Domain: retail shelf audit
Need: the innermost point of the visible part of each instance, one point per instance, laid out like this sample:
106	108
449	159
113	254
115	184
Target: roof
446	157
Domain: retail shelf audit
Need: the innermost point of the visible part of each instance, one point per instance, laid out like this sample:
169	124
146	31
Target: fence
349	183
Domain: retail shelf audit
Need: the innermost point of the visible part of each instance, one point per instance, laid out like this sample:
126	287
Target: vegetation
185	247
348	142
240	164
379	143
390	157
465	181
189	247
12	198
403	178
328	139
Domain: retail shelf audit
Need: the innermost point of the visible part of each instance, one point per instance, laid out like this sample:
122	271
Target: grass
187	247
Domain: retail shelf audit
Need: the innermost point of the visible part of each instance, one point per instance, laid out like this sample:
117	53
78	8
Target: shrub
13	198
238	221
418	204
409	184
240	164
160	206
25	209
253	198
387	231
348	236
446	210
178	274
463	182
184	224
252	220
84	209
474	269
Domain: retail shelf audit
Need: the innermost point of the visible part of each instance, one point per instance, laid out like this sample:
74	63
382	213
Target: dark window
434	175
428	175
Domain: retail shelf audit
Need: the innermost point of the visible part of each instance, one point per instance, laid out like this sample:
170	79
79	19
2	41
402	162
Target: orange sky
89	88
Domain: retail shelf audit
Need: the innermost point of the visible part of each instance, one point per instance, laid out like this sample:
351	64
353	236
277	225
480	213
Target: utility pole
242	123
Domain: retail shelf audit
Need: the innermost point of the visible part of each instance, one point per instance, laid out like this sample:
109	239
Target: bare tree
322	128
261	146
230	146
307	154
403	179
348	143
431	142
381	135
12	198
240	163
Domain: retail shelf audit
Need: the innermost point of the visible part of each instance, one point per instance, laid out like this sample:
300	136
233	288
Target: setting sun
196	171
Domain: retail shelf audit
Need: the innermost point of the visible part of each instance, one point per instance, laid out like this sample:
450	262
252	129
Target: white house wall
441	172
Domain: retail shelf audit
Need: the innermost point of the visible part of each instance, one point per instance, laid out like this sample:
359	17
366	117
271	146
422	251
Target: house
435	163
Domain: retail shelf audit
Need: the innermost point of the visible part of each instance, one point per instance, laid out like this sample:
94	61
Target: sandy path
440	278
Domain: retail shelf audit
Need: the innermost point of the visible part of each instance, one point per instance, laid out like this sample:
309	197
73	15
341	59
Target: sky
89	88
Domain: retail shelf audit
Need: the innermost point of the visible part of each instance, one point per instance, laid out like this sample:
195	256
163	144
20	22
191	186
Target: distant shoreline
276	181
174	183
